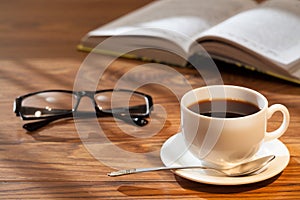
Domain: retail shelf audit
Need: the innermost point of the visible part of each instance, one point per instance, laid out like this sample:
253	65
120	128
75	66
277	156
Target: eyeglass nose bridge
80	94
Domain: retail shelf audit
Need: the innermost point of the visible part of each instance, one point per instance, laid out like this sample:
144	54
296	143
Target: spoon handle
238	170
139	170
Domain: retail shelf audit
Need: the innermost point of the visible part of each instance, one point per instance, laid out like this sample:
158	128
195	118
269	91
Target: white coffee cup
223	142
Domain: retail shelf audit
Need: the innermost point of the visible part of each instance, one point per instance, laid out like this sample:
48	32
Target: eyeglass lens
48	104
122	102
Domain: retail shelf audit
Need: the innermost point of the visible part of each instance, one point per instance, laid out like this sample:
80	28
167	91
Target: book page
174	19
271	30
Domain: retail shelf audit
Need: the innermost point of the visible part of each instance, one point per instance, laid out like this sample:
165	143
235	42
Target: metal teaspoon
243	169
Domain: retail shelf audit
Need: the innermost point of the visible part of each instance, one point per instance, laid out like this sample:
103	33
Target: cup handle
285	122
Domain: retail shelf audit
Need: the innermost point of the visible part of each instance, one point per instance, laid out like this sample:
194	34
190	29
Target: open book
264	37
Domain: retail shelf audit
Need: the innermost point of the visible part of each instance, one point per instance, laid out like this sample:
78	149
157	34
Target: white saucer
171	154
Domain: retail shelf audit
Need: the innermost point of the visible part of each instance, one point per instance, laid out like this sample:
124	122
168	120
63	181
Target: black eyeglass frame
138	119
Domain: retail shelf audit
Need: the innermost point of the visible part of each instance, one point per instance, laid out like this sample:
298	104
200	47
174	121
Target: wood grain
37	52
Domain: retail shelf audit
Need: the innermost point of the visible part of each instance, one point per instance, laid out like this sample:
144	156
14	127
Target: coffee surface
224	108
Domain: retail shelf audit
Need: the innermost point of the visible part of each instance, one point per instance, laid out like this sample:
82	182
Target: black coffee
216	108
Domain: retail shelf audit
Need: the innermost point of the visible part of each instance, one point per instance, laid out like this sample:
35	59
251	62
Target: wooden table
38	51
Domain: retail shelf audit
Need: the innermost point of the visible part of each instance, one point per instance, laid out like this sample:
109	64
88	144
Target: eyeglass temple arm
33	126
140	121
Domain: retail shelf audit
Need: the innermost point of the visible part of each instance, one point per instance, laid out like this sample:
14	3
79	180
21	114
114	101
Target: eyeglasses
51	105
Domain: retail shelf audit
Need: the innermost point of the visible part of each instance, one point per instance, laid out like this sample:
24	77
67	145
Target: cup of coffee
224	125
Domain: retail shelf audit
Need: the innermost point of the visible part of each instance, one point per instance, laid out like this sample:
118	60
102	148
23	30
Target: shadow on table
221	189
190	188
